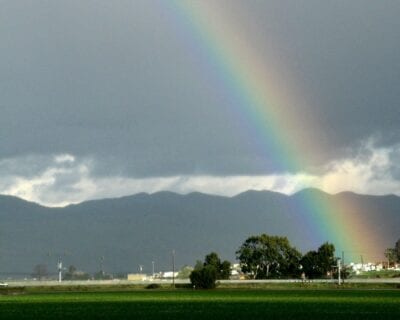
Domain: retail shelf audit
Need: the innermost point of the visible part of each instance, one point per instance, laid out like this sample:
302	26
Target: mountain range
124	233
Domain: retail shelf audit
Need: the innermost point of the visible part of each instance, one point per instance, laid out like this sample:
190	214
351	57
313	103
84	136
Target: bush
153	286
204	278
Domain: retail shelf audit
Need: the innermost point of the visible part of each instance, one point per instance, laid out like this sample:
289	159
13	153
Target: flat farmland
217	304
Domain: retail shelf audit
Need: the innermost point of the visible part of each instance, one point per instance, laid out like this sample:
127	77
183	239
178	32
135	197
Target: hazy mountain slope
142	228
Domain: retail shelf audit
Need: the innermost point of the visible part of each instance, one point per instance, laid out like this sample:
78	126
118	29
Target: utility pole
173	269
152	263
59	262
59	266
102	265
343	258
338	266
362	263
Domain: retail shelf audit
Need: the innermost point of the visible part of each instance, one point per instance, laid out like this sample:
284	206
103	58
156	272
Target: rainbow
265	104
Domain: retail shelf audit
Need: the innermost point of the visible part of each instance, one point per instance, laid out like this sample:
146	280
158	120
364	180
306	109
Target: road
28	283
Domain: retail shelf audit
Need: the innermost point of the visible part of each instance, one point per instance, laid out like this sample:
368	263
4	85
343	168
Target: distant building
137	277
169	275
365	267
236	272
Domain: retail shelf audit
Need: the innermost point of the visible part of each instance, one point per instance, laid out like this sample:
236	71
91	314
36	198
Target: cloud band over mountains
63	179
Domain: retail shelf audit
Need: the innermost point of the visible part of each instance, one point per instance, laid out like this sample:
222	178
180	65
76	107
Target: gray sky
114	89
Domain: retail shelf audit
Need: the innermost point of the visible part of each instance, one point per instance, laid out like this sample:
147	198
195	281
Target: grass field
218	304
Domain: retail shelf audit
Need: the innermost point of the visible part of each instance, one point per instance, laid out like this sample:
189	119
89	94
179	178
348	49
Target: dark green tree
223	268
267	256
309	263
204	278
205	274
326	256
317	264
212	259
393	254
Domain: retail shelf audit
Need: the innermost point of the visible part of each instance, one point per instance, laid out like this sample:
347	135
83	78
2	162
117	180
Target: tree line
393	254
273	257
40	272
268	257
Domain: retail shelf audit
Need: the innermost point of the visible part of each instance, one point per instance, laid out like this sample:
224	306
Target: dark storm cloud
346	56
112	81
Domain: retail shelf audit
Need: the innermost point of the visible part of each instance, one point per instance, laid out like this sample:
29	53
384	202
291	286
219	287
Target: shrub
204	278
153	286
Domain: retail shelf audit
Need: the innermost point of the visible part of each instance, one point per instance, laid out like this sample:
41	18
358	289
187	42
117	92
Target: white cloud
65	179
369	172
64	158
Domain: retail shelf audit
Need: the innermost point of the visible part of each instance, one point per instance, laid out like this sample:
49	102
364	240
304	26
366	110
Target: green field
218	304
